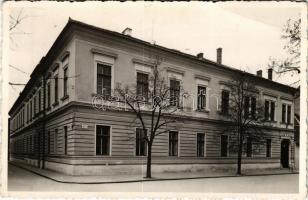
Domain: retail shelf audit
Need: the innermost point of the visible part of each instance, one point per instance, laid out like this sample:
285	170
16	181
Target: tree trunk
149	161
239	155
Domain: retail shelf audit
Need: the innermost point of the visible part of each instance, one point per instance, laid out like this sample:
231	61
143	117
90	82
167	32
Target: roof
68	29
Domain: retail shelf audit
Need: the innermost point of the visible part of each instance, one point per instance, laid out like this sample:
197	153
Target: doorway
284	159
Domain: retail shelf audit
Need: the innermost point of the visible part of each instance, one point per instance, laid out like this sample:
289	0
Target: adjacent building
53	123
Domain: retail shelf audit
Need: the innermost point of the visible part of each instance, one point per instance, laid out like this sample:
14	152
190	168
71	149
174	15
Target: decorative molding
207	78
143	62
286	98
270	94
169	69
55	66
225	83
103	52
64	56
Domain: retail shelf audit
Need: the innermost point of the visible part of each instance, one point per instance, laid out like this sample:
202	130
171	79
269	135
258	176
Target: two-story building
56	106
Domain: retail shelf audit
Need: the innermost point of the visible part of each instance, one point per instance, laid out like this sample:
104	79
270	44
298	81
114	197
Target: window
30	109
103	79
268	148
65	78
174	92
225	102
48	95
55	141
141	144
200	144
65	140
272	113
269	113
34	105
102	140
39	101
253	107
142	85
201	97
48	142
289	114
246	106
249	147
223	145
283	114
173	143
56	89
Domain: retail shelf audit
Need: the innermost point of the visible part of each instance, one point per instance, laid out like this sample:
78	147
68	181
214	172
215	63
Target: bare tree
246	115
155	105
291	33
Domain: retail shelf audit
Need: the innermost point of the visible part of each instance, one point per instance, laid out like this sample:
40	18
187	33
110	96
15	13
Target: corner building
53	122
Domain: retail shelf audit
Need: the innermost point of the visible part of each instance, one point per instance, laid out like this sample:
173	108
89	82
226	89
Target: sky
249	33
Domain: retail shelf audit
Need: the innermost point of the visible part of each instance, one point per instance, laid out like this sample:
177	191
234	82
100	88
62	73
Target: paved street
21	180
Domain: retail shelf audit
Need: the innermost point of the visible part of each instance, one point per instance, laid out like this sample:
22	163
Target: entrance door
284	160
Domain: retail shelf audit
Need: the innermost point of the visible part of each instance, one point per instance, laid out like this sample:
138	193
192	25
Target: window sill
203	110
285	123
55	104
64	98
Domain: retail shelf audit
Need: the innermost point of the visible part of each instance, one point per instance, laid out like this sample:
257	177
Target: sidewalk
63	178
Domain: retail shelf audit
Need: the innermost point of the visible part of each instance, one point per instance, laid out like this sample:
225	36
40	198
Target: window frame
146	147
204	145
146	96
65	81
110	140
222	103
227	154
205	96
178	143
177	103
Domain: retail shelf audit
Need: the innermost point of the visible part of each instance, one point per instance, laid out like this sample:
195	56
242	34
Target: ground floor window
102	140
268	148
224	145
249	147
141	143
200	144
173	143
65	140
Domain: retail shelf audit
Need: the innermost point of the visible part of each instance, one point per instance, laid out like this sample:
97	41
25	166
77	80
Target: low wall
140	169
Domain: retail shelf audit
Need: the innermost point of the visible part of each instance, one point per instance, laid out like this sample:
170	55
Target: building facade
54	124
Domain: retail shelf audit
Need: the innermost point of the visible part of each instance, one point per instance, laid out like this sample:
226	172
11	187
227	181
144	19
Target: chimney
270	73
200	56
127	31
219	55
259	73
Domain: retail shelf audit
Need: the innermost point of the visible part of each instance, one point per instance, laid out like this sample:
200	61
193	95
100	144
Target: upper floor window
39	100
142	85
286	113
56	89
249	107
174	92
201	97
34	105
48	95
65	78
225	102
141	144
103	79
269	113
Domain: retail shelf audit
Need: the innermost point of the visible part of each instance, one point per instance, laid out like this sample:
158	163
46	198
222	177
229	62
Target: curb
148	180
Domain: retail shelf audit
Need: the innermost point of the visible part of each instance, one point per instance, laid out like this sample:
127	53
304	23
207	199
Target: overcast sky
249	33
